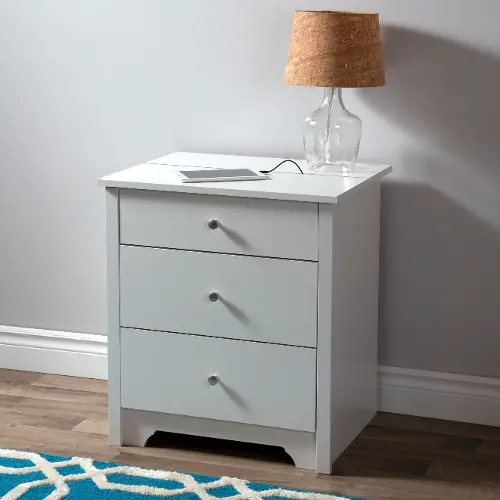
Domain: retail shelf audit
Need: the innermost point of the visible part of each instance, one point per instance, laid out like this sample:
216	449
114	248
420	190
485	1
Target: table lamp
334	50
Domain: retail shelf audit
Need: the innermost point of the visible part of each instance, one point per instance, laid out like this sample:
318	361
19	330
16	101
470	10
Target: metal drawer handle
213	223
213	296
213	380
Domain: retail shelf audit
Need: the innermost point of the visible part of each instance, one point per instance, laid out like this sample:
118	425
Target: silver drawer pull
213	380
213	296
213	223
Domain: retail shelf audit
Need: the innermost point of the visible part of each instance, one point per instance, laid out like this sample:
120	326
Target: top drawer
245	226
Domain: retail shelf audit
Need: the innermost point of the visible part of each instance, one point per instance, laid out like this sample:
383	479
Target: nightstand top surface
286	183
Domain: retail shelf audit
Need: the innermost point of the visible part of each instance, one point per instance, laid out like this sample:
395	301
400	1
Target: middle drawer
219	295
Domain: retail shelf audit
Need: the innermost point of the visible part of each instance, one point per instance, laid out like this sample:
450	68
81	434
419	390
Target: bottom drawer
260	384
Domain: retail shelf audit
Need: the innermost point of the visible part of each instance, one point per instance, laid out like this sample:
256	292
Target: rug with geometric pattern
36	476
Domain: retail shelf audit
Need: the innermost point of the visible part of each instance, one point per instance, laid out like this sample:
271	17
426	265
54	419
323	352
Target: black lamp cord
279	165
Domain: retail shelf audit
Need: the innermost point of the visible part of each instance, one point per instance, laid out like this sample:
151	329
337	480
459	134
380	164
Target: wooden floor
396	457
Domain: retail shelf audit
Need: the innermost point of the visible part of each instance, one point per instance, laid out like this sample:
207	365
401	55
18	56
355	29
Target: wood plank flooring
395	458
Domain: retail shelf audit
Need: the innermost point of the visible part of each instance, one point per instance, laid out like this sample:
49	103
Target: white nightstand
243	310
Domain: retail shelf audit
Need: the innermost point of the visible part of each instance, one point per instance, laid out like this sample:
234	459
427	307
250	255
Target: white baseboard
47	351
448	396
423	393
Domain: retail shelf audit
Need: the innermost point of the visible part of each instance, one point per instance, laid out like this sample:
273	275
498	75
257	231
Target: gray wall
88	88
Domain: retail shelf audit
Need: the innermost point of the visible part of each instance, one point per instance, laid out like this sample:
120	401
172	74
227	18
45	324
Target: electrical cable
279	165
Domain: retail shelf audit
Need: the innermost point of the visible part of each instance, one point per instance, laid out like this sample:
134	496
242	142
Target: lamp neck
333	98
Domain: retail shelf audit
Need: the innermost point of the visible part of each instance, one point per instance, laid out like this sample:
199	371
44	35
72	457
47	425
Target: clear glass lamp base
332	168
332	135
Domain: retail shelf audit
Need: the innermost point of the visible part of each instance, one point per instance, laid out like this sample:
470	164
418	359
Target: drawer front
266	300
259	384
246	226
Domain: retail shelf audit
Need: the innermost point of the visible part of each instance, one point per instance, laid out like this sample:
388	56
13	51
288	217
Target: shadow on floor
218	446
391	447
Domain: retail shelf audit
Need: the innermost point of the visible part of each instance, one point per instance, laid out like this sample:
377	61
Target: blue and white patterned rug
36	476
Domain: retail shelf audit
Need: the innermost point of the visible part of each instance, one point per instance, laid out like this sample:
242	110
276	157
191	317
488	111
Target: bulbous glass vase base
332	135
343	167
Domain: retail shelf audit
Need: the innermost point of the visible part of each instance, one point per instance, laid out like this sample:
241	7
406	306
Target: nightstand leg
303	455
324	467
136	433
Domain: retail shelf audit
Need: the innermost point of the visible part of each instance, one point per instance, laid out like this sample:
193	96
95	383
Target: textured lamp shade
335	49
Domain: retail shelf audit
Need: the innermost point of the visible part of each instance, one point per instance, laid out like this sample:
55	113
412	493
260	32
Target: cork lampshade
335	49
